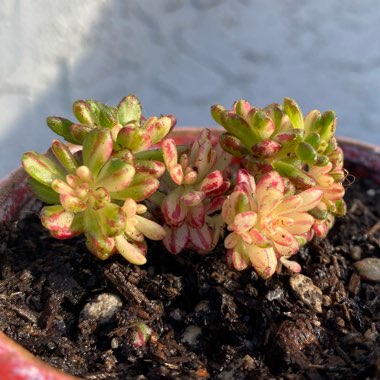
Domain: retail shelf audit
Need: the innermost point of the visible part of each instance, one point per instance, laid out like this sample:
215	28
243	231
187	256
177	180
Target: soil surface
209	322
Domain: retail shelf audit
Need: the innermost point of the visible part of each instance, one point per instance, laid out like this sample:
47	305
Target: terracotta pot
16	363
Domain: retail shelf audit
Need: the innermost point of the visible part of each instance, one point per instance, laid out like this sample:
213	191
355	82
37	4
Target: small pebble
114	343
176	314
191	334
369	268
371	192
102	308
306	291
274	294
356	253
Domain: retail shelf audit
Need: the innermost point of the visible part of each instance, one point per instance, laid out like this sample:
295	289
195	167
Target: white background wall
181	56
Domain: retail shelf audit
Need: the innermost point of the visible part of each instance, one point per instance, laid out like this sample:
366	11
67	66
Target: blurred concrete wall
181	56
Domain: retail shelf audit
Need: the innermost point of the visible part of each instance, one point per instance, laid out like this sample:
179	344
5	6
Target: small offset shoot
271	182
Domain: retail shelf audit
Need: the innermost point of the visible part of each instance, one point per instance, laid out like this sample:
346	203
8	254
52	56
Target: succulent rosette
195	193
129	128
277	137
268	222
86	192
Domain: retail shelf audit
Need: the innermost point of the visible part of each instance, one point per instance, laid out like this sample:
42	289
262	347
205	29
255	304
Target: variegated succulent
286	186
302	149
95	193
195	190
268	222
129	128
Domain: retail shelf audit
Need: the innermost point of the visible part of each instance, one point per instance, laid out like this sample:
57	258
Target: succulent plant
268	222
195	193
86	191
130	130
301	149
285	187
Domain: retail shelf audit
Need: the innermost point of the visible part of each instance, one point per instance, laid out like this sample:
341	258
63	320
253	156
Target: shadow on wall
181	57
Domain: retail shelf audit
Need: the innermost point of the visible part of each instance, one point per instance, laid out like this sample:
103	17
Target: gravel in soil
208	322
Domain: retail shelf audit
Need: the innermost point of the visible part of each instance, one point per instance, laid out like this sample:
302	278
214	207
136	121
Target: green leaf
294	113
60	126
216	113
84	113
97	149
95	106
274	111
108	117
55	218
111	219
328	125
239	128
115	175
306	153
142	187
262	123
41	168
43	192
297	176
78	132
159	128
129	110
242	107
64	156
233	145
126	137
312	121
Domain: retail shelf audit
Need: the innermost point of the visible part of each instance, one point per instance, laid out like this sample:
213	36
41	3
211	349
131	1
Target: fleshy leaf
150	229
294	113
233	145
61	127
192	198
244	221
55	218
169	151
263	260
211	182
142	186
196	216
176	239
201	237
216	112
297	176
97	149
41	168
154	168
84	113
129	110
173	210
42	192
100	246
108	117
160	128
64	156
111	220
115	175
78	132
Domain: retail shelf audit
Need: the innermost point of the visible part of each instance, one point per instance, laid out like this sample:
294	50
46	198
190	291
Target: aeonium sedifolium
284	188
96	191
301	149
130	130
194	189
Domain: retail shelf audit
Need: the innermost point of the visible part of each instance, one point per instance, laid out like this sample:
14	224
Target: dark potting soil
208	322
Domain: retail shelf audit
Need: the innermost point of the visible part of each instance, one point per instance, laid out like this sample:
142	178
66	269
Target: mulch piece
208	321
